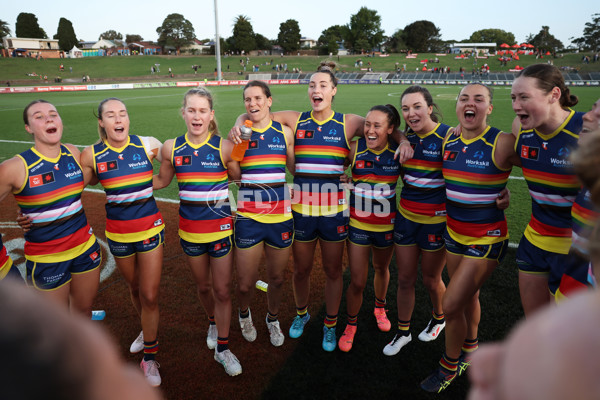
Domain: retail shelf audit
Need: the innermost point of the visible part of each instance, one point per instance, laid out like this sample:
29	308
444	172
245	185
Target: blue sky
456	19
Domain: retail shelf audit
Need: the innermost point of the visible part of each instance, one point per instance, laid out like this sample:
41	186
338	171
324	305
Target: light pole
217	44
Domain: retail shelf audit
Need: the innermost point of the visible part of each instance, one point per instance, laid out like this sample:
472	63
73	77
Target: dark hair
101	130
202	92
547	78
28	106
327	67
265	88
393	116
436	115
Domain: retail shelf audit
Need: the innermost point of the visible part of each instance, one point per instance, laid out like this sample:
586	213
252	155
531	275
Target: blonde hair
202	92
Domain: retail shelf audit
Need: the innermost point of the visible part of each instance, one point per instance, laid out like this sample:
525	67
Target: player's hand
234	135
404	152
503	200
456	131
24	221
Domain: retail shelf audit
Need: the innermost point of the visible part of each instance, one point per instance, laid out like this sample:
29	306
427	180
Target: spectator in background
69	357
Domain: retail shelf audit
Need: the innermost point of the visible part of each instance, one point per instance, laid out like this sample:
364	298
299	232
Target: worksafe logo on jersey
450	155
530	153
182	160
42	179
107	166
303	134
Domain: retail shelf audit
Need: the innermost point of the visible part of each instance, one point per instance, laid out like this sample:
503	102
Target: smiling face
114	119
257	104
44	123
532	105
197	115
591	120
473	107
377	129
417	113
321	91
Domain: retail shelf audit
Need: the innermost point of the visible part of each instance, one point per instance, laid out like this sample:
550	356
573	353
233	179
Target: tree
175	31
111	35
65	35
4	29
262	43
591	35
545	41
422	36
395	43
27	27
243	38
497	36
289	35
331	38
364	31
129	38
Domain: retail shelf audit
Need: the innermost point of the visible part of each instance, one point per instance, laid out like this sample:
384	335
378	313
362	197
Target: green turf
138	67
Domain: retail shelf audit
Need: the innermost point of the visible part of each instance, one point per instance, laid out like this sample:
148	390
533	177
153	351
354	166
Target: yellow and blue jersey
473	182
373	197
423	196
126	175
51	197
264	195
552	183
204	209
320	148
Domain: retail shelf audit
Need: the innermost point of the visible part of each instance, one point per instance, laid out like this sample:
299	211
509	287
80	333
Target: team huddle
450	212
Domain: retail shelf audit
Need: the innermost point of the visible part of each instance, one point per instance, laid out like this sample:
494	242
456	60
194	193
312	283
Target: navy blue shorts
248	233
533	260
218	248
50	276
368	238
428	237
122	250
495	252
331	228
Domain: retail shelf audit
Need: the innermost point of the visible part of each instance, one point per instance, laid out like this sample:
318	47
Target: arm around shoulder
166	171
87	166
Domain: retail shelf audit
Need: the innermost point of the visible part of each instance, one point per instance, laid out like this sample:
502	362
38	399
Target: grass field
310	372
138	67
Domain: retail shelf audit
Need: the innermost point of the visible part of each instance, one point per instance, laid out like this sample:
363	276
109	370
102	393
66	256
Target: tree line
362	34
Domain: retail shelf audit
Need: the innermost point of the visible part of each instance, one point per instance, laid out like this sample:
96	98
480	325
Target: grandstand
504	78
